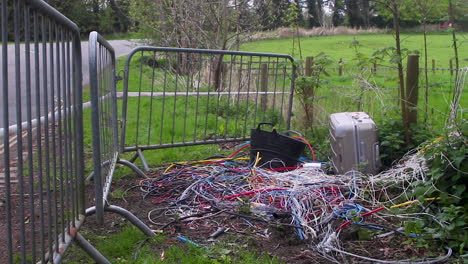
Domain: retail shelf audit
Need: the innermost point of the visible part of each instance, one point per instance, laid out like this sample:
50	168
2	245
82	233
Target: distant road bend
121	47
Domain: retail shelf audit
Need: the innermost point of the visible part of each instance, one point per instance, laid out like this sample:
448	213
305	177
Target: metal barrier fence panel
41	147
104	116
181	97
105	128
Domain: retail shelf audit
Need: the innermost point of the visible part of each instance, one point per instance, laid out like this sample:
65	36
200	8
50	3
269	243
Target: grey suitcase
354	143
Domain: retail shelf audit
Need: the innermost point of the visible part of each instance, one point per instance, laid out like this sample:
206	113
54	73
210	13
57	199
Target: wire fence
377	92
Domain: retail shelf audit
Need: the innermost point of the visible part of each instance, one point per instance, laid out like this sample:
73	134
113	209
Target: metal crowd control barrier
42	203
105	128
182	97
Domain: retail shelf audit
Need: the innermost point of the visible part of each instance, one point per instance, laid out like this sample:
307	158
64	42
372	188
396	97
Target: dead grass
284	32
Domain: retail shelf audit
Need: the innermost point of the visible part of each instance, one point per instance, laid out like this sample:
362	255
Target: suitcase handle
265	123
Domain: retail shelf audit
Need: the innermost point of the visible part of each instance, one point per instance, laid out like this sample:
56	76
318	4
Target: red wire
364	214
239	150
310	147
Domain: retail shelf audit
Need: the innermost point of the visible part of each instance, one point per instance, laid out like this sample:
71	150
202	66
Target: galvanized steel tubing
105	131
104	117
180	97
41	147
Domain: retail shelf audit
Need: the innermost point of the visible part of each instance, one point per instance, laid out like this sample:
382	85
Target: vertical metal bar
275	86
61	147
19	131
47	132
284	70
218	97
66	88
200	68
291	96
114	104
6	138
39	135
226	129
257	89
31	171
78	114
264	70
163	103
239	88
69	168
125	102
189	73
103	120
54	67
175	104
137	127
151	102
208	96
249	74
68	61
93	80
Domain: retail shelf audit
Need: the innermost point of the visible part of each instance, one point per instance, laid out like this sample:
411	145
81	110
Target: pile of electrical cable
253	197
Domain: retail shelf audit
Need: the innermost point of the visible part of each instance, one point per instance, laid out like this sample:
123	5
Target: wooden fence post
375	68
412	77
340	67
264	85
433	66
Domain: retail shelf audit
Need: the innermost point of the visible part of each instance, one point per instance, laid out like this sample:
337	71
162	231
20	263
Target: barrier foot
143	160
133	167
90	250
128	215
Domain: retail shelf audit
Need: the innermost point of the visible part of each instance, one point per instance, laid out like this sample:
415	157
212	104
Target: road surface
121	47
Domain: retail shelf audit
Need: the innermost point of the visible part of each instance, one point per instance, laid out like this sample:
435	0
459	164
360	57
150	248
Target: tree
211	24
353	14
427	9
394	7
104	16
338	12
315	12
208	24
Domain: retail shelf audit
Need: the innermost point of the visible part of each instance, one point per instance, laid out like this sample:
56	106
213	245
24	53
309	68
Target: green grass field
377	94
339	46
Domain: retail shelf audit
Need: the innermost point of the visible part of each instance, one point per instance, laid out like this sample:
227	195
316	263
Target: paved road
121	47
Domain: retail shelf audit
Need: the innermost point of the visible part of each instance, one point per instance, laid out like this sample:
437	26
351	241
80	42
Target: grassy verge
129	245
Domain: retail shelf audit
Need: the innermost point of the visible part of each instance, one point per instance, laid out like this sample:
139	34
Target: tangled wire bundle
316	205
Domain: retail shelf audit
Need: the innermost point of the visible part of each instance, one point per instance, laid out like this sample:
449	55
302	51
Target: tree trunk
426	77
396	26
